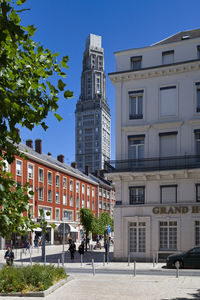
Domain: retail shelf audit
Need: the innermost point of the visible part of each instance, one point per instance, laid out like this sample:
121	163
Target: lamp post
64	220
43	237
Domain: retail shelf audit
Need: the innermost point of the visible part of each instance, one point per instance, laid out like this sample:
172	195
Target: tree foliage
27	95
100	224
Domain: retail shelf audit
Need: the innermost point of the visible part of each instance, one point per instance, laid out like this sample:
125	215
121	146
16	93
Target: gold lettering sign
163	210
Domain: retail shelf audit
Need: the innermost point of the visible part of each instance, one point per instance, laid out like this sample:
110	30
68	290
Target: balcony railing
153	164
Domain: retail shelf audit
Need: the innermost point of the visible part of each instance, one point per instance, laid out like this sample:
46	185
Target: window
57	180
168	57
30	192
136	105
71	185
49	178
108	195
71	201
40	193
92	193
168	145
83	203
168	235
68	215
104	194
41	175
57	214
88	191
198	192
30	171
92	205
197	141
168	101
168	194
83	189
77	216
136	62
77	202
137	236
49	195
136	195
198	52
100	204
136	147
88	203
57	197
18	167
100	192
197	97
197	233
64	182
77	187
64	199
45	211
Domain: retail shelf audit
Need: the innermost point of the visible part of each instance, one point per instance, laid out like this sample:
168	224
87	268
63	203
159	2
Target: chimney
87	170
49	153
60	158
96	173
29	143
74	165
38	146
102	173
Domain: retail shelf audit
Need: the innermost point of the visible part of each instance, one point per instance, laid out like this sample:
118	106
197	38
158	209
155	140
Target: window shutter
168	145
168	101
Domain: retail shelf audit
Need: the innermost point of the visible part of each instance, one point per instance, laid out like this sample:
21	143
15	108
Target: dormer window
136	62
168	57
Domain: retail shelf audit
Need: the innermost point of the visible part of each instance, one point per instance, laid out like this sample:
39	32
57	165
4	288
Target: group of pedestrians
72	249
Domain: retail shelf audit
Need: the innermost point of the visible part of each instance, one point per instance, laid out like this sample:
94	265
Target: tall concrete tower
92	110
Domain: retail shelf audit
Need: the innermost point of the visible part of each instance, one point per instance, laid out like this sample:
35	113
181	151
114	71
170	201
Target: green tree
104	221
86	220
27	95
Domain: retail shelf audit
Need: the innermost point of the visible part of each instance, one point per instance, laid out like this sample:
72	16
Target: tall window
136	147
136	62
77	202
77	187
64	182
168	144
136	105
198	192
57	180
18	167
49	195
40	194
197	96
137	236
64	199
68	215
136	195
168	57
57	197
57	214
88	191
168	194
41	175
49	178
197	141
71	201
30	171
168	101
83	189
88	203
71	185
168	235
83	203
197	233
92	192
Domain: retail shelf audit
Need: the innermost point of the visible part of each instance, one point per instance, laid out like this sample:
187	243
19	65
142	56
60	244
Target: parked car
188	259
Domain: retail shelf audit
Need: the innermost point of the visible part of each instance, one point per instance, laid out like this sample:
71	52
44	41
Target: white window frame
57	181
170	57
171	227
71	200
77	186
64	183
168	87
50	183
71	185
39	177
172	186
139	244
65	201
71	212
135	95
83	189
48	199
57	197
88	191
19	171
57	210
41	196
48	208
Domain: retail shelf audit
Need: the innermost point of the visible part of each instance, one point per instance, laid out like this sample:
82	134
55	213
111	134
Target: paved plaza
117	280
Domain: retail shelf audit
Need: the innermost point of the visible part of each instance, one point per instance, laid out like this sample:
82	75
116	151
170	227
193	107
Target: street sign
109	229
61	227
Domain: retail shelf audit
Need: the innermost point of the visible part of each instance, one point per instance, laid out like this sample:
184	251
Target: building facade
157	166
58	188
92	110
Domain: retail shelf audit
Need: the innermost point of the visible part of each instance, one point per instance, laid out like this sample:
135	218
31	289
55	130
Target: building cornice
138	128
166	125
194	122
156	71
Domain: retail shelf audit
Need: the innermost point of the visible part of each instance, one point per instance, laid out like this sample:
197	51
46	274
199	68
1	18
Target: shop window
137	237
168	235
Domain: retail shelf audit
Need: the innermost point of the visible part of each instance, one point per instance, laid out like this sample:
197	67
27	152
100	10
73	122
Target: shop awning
72	229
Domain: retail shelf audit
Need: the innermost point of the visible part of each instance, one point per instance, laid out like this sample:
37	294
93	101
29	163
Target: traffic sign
109	229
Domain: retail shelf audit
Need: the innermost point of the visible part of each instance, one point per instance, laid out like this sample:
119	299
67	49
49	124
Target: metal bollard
81	260
45	259
16	254
107	258
63	259
129	260
156	257
31	260
177	265
153	260
134	268
104	259
21	258
93	267
58	262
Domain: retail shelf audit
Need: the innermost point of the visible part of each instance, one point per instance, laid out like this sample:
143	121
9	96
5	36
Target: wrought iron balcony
153	164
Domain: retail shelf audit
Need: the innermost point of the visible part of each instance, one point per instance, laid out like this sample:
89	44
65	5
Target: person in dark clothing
72	249
81	248
9	257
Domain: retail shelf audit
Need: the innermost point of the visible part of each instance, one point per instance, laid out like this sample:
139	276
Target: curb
40	293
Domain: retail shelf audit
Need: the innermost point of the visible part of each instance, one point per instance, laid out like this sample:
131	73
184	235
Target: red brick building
59	189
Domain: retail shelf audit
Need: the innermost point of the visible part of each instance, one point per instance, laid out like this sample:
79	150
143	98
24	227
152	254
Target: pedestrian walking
9	257
72	249
107	247
27	245
81	248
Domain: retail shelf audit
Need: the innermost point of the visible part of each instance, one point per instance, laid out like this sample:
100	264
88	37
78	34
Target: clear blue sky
63	26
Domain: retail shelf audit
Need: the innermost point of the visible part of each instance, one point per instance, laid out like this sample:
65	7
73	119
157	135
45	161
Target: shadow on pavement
196	296
87	257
